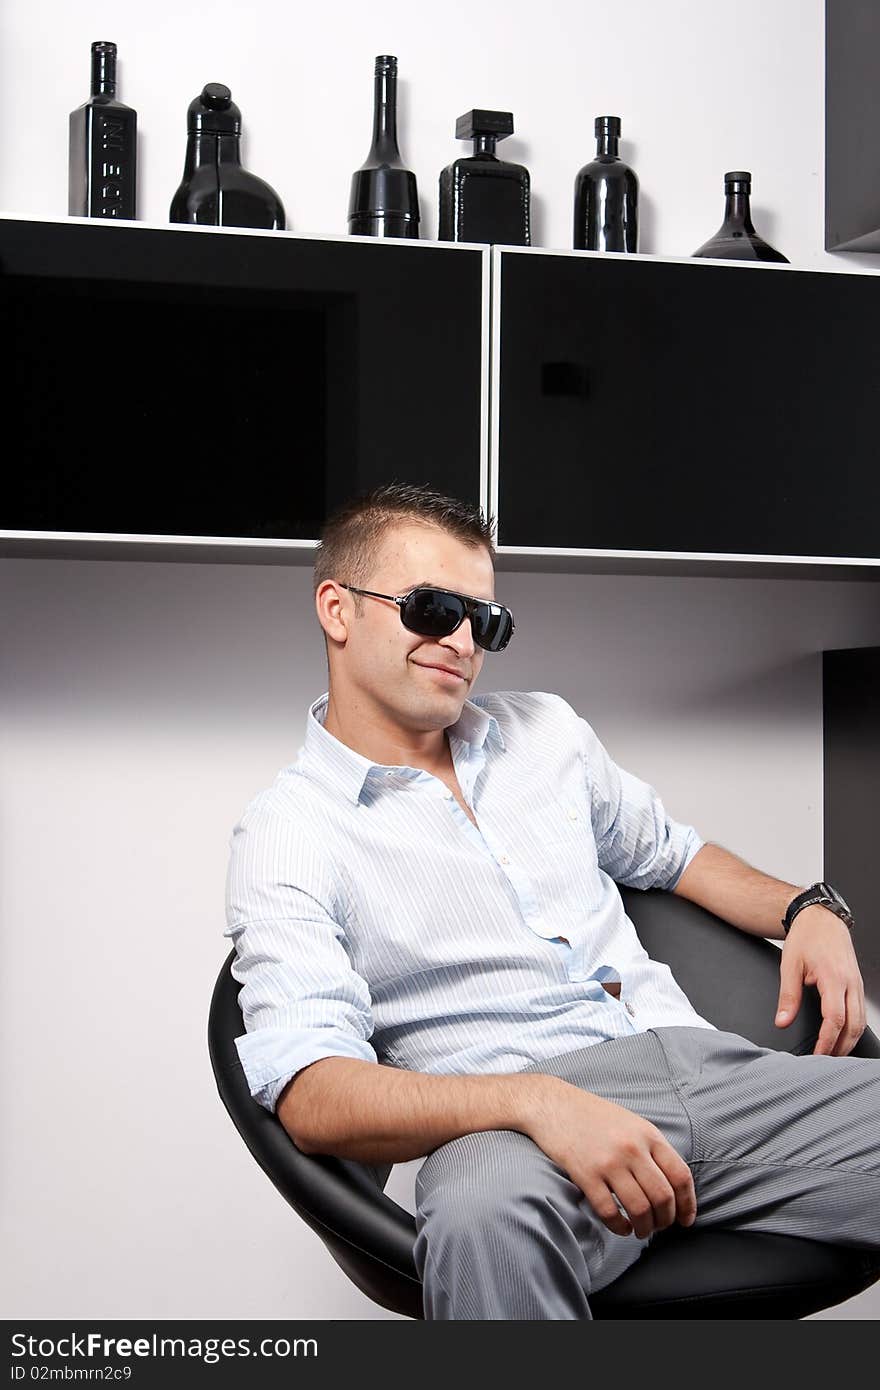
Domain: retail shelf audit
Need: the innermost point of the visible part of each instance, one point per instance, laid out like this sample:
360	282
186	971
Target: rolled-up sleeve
637	843
301	998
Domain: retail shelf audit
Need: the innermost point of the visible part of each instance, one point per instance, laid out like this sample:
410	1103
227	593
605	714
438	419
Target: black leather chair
732	979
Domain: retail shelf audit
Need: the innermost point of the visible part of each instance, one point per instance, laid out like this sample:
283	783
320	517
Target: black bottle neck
737	212
207	147
607	144
384	147
484	147
103	73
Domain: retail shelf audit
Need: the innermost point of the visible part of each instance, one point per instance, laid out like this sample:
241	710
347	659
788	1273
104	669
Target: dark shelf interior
671	406
214	384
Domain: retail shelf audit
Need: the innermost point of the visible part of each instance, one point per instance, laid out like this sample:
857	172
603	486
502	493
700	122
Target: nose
461	641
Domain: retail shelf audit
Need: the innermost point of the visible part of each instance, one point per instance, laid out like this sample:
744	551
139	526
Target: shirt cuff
693	843
271	1056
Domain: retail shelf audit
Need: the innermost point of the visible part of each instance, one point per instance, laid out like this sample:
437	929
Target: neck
429	751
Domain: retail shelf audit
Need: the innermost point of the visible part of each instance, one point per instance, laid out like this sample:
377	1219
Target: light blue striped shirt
372	919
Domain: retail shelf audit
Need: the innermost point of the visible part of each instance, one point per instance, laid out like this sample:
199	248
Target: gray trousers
775	1142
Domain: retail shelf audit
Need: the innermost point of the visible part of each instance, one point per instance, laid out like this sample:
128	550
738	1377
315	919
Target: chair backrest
730	977
311	1183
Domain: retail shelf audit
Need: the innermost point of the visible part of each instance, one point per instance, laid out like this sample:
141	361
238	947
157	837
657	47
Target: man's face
383	662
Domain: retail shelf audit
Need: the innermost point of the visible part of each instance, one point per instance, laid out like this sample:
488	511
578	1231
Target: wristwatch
821	893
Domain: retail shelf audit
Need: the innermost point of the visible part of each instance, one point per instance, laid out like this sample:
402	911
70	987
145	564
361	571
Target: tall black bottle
482	197
102	169
606	196
384	199
216	191
736	238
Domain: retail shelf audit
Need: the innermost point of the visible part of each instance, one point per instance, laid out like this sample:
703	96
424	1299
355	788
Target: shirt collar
333	761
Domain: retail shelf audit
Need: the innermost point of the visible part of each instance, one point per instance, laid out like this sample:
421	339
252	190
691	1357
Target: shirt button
572	815
504	859
449	796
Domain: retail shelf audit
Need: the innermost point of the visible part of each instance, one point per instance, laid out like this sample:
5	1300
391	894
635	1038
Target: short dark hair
352	537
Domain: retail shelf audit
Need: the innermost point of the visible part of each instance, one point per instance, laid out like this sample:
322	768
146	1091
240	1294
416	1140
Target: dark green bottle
736	238
482	197
606	196
102	168
384	199
215	190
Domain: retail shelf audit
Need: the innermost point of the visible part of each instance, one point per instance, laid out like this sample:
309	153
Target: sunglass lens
492	627
436	613
432	613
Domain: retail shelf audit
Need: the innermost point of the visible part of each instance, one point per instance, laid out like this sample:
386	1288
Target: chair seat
742	1274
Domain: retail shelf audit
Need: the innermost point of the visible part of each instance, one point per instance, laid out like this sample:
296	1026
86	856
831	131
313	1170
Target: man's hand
819	951
610	1151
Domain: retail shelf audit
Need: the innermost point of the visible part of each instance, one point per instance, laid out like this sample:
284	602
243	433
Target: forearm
734	891
376	1114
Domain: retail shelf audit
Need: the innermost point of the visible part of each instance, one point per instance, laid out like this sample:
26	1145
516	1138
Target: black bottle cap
607	125
477	122
213	111
103	68
386	65
738	181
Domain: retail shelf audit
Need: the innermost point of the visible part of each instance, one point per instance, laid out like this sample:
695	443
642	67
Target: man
432	887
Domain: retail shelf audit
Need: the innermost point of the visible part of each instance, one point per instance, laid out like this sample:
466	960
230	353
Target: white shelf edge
515	551
287	234
291	234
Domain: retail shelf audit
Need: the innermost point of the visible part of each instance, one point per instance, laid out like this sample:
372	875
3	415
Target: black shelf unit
214	383
685	408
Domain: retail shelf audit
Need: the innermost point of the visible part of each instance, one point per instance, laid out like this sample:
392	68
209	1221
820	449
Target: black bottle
103	147
482	197
736	238
216	191
384	200
606	196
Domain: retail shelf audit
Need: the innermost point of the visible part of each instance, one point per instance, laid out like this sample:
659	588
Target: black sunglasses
438	612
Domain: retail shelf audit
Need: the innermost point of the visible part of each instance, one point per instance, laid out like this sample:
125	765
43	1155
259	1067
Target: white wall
700	88
142	705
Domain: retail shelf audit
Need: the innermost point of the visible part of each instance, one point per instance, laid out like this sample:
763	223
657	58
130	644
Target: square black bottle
102	147
482	197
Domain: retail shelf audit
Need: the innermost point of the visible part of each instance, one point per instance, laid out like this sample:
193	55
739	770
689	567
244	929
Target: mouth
442	673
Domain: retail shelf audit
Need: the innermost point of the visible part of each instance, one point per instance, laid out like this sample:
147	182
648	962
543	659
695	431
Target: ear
334	610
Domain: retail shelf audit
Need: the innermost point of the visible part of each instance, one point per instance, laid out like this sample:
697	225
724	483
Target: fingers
649	1203
601	1199
829	962
657	1191
856	1022
681	1180
833	1020
791	987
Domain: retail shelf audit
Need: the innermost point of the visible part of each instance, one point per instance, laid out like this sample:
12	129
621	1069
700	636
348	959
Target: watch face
836	897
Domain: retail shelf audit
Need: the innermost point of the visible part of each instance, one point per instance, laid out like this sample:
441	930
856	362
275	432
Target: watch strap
816	893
